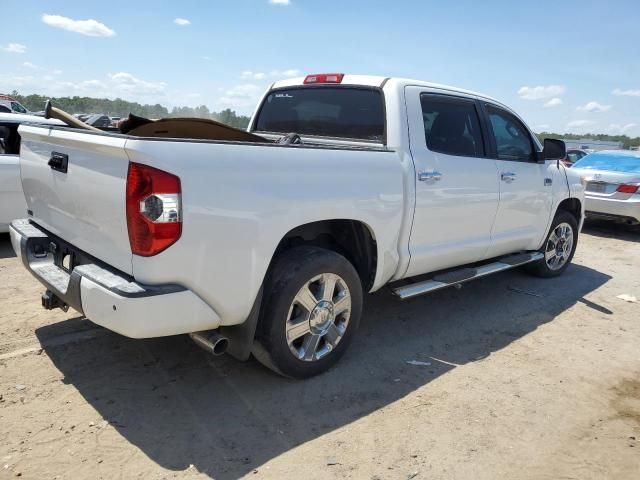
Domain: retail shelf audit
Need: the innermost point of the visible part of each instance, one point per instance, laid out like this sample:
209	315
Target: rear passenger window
451	125
512	138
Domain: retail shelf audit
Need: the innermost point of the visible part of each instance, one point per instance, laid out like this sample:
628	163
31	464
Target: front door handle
432	176
508	177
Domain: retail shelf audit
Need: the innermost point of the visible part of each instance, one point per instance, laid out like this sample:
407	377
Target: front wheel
559	247
312	309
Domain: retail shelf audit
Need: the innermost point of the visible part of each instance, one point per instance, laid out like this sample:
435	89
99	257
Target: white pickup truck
266	247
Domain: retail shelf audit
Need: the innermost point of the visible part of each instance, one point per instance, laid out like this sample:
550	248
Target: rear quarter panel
240	200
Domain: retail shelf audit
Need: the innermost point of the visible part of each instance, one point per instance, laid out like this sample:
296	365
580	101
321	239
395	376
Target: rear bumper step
104	295
456	277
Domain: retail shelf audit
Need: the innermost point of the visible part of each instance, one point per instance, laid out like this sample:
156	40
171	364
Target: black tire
541	267
292	270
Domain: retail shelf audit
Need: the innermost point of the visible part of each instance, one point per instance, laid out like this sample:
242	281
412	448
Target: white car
612	180
12	202
266	247
11	105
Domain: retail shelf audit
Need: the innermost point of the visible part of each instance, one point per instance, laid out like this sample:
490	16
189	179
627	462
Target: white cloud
15	48
123	85
288	73
615	128
183	22
580	124
241	96
30	65
627	93
594	107
554	102
541	92
127	83
248	75
91	27
541	128
280	2
275	74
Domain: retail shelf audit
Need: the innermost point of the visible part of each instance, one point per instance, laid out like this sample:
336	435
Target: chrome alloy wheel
559	246
318	317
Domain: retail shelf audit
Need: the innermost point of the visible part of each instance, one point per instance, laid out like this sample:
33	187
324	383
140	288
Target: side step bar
465	274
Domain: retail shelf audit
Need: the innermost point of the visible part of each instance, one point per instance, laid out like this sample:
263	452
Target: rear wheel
312	309
559	247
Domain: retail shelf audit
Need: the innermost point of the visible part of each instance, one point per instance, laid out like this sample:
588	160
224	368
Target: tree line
627	141
122	108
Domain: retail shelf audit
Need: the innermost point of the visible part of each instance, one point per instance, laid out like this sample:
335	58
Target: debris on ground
627	298
418	363
525	292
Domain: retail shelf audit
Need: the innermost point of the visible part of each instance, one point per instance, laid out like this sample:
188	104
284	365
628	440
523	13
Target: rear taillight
627	188
324	78
154	216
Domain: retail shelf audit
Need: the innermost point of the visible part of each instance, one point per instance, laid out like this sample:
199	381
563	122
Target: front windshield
626	162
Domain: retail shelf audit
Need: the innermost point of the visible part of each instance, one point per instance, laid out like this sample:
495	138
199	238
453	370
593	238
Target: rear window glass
610	161
324	111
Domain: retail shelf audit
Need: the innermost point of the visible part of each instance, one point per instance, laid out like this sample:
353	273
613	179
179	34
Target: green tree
122	108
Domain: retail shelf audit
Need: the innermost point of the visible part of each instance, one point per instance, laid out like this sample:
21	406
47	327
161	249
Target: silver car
612	184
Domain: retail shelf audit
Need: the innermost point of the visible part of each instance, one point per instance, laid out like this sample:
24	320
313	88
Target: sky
563	65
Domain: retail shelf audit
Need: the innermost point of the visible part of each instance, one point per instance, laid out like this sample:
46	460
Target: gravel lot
544	384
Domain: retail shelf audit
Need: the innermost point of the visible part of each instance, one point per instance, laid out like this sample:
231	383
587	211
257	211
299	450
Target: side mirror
554	149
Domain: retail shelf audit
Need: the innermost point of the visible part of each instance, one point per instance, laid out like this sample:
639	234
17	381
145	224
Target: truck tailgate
86	204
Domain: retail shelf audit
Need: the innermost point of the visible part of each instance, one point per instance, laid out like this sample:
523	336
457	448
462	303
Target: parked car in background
11	105
612	179
12	202
573	155
267	245
98	121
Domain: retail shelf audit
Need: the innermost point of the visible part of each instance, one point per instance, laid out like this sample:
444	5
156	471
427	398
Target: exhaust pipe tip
211	341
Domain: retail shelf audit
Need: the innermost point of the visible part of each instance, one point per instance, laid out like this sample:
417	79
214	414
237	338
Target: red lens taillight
324	78
154	216
627	188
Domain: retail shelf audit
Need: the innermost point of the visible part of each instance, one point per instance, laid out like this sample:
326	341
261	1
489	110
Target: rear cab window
337	112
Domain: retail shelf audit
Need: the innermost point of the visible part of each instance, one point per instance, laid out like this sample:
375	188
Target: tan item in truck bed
194	128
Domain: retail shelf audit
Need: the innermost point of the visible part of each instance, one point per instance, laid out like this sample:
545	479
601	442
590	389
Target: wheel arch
353	239
573	206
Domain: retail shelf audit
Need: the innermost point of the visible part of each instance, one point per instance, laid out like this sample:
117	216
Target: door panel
456	186
525	186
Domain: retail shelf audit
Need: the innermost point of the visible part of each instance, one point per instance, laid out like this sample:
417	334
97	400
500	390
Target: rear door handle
59	162
429	176
508	177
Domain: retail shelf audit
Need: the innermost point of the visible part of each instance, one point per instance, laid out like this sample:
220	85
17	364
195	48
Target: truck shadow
182	407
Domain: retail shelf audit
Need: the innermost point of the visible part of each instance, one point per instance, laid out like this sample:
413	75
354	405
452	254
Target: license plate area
597	187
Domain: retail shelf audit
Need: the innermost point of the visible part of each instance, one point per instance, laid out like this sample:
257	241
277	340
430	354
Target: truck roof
378	81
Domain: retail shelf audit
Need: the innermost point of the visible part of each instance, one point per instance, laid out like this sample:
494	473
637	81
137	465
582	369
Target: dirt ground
544	385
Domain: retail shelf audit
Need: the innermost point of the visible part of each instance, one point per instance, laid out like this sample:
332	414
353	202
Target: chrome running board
465	274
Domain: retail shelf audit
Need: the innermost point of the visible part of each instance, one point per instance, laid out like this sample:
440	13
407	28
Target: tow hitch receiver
50	301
